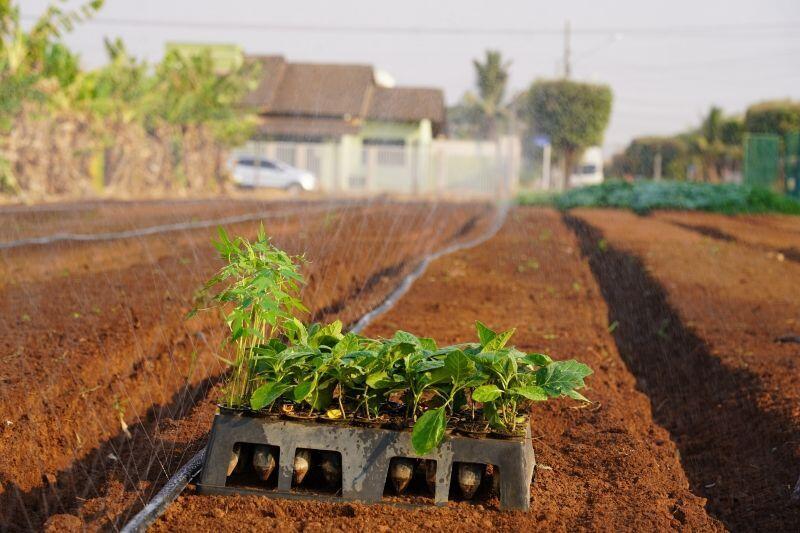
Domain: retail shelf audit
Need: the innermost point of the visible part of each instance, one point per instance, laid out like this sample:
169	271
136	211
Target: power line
441	30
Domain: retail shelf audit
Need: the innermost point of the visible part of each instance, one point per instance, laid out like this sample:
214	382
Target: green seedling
278	359
257	291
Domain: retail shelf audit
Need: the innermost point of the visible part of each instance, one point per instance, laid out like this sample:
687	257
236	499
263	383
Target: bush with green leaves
645	196
282	365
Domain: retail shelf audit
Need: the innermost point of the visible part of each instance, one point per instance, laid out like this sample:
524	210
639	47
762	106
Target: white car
590	168
261	172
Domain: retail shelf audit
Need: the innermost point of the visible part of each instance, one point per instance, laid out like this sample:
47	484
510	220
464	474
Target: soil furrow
607	466
707	358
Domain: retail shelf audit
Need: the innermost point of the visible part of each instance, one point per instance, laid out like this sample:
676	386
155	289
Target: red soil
710	319
605	467
93	333
692	397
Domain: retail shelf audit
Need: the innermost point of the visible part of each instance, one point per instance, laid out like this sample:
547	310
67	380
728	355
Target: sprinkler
469	478
331	466
263	461
401	470
234	458
302	461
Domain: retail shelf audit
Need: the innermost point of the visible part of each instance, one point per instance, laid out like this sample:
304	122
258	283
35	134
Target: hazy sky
666	61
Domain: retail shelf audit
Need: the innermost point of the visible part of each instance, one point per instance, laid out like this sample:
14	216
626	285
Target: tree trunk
569	162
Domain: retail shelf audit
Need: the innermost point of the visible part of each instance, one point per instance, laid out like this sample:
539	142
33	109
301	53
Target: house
317	102
343	121
358	133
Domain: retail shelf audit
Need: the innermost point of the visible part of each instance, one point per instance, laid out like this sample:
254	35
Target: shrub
644	196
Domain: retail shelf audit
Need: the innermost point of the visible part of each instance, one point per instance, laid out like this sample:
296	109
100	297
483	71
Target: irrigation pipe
166	495
153	230
190	470
420	269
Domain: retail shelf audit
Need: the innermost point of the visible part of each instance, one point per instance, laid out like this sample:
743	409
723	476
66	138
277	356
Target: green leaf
334	329
428	431
323	399
266	394
302	390
486	393
406	337
428	344
379	380
531	392
459	366
575	395
560	377
537	359
348	344
484	333
499	341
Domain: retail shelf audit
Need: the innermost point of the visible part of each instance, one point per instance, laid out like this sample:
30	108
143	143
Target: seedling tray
365	456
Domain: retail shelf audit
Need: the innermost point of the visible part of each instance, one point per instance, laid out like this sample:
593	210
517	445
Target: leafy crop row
644	196
283	366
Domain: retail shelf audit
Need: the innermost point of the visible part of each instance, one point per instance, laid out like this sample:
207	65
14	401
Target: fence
441	167
774	162
792	164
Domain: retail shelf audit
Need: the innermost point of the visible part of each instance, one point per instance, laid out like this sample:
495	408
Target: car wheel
294	189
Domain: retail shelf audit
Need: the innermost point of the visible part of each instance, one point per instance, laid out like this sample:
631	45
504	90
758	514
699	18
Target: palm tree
491	80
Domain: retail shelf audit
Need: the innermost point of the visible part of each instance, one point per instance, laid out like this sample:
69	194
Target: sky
667	62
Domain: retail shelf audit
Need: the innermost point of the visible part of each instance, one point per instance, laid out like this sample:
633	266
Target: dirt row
608	466
24	222
707	341
97	356
775	235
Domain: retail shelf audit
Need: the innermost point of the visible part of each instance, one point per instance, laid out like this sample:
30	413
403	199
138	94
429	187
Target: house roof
272	68
306	127
329	96
407	104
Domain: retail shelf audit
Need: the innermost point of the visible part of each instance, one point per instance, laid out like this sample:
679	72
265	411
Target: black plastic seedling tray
365	457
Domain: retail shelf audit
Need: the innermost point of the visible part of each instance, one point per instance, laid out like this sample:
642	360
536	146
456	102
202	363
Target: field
689	321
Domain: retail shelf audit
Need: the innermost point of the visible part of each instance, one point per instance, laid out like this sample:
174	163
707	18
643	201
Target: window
246	162
588	169
268	164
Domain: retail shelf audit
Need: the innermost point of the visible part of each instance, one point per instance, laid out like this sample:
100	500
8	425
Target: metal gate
761	159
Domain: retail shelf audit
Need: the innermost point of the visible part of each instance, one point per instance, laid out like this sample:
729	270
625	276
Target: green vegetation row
644	196
282	366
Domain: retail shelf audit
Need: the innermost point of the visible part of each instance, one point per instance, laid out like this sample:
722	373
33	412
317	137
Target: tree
638	159
778	116
573	115
479	114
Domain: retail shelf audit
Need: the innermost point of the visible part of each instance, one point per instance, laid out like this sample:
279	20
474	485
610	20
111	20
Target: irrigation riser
366	454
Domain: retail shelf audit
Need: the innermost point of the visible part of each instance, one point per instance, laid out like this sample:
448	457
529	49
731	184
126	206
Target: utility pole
567	51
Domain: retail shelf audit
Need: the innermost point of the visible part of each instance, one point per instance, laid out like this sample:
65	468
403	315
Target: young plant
456	375
258	290
516	380
412	362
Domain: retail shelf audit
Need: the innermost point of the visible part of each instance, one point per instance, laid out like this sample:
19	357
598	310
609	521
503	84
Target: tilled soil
26	222
777	236
608	466
706	324
678	314
99	364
